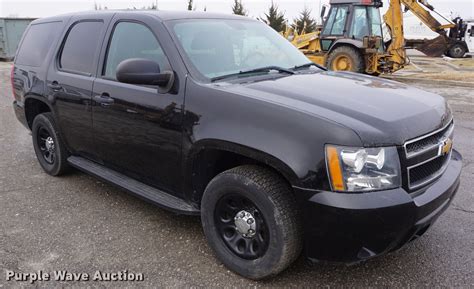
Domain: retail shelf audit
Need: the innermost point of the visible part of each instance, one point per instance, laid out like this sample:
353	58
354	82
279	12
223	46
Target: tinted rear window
36	44
81	47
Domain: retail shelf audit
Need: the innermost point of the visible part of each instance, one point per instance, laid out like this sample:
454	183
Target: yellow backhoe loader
351	38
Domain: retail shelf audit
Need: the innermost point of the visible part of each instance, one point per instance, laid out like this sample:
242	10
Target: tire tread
353	53
63	166
280	193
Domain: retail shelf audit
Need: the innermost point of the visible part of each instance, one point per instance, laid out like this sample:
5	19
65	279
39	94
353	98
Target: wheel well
461	43
33	107
341	44
208	163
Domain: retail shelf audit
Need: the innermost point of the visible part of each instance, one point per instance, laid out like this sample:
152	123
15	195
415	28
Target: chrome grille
420	174
428	156
427	142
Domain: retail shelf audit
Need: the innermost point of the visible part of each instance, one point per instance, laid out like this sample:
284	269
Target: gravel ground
80	224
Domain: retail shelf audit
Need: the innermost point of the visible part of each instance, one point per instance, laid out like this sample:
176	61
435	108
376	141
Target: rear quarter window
80	48
36	43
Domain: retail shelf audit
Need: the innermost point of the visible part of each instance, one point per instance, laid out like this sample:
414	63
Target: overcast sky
256	8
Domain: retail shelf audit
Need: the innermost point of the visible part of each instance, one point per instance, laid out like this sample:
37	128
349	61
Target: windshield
219	47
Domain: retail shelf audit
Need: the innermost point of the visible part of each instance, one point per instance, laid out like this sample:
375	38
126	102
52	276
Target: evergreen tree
304	23
238	8
275	18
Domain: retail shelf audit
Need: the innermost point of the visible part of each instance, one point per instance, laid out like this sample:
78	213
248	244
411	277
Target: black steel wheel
46	144
49	148
251	221
242	226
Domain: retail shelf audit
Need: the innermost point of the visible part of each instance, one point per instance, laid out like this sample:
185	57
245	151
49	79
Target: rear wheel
457	51
49	148
345	58
251	222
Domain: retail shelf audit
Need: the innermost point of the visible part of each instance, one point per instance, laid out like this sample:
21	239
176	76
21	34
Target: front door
470	38
137	130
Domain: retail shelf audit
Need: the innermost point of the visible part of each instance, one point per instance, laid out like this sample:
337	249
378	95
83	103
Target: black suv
220	116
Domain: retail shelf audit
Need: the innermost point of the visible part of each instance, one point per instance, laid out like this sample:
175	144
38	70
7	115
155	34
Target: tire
53	156
457	51
345	58
277	239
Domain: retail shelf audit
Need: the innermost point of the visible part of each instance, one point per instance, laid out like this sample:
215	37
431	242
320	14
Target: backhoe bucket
434	47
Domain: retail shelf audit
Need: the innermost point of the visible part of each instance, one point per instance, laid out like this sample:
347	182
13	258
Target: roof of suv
162	15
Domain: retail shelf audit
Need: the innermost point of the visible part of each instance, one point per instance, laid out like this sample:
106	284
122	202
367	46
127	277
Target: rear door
137	129
70	79
31	62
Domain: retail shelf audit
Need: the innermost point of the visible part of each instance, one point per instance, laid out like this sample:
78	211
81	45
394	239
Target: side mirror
143	71
323	11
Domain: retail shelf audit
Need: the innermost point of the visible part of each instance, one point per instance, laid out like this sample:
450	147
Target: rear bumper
355	227
19	110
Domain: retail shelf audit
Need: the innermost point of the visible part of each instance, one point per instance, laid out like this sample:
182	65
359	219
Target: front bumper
355	227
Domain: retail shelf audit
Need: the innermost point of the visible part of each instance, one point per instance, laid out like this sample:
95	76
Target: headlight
362	169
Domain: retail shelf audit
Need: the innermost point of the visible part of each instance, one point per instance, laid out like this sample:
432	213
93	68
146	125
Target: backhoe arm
425	16
394	21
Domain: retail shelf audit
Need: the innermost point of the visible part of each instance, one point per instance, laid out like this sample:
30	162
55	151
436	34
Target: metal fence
11	30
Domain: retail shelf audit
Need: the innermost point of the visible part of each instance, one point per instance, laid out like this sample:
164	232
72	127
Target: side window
36	44
472	30
336	22
376	21
133	40
340	21
80	48
330	21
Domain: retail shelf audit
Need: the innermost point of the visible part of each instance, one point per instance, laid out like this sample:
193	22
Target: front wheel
345	58
457	51
251	221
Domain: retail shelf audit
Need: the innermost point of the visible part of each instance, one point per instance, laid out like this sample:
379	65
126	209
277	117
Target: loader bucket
434	47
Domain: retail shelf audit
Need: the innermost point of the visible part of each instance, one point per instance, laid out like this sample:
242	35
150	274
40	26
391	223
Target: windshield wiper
309	64
255	70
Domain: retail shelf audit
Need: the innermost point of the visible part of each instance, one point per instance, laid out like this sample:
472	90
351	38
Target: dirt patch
448	75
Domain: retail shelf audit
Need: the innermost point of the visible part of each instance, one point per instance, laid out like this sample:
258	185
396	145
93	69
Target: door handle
54	85
104	99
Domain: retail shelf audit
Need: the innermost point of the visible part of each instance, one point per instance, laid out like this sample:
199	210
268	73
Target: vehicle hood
381	112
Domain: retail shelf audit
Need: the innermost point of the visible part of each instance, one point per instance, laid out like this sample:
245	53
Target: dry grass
448	75
410	67
466	62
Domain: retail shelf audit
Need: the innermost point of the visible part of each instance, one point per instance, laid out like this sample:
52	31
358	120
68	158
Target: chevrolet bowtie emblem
446	146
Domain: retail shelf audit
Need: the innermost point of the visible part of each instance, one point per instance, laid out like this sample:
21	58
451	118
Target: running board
133	186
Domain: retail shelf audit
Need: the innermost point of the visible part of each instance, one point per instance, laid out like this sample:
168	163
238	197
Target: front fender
292	140
352	42
252	153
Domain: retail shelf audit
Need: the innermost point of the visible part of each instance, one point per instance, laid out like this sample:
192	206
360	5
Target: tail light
12	75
